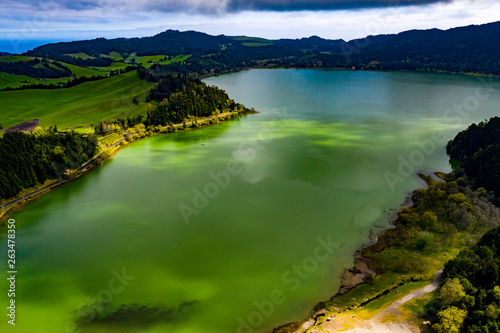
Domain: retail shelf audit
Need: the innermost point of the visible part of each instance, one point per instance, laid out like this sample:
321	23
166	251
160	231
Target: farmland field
81	105
14	58
80	55
15	81
83	71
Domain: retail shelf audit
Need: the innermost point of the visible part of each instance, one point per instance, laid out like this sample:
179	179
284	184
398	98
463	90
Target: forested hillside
168	42
184	97
465	49
478	150
30	159
468	299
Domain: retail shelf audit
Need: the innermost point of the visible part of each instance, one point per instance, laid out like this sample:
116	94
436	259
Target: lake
250	230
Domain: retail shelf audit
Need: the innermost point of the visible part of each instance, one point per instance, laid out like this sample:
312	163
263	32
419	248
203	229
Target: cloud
189	6
293	5
224	6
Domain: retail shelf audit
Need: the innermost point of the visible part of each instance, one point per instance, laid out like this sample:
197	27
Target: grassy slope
14	58
80	55
82	71
179	58
253	39
145	60
114	66
81	105
152	58
77	70
15	81
113	55
255	44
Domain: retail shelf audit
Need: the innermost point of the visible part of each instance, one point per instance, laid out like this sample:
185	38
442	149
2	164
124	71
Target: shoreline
360	272
468	74
18	203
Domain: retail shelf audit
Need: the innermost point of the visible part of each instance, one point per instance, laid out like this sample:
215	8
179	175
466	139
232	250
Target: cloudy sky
25	24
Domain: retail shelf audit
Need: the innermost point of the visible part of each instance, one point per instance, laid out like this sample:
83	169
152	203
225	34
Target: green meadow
148	61
14	58
80	55
179	58
113	55
113	67
83	71
253	39
15	81
78	106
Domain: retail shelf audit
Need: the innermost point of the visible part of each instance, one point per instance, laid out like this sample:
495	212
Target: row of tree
91	62
31	159
37	68
116	125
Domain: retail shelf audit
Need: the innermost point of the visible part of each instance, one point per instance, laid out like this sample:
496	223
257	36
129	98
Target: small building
28	126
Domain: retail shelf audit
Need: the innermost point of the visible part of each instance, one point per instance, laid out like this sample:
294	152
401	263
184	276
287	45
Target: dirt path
375	324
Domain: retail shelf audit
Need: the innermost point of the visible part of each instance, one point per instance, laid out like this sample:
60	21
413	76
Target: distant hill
473	48
315	44
169	42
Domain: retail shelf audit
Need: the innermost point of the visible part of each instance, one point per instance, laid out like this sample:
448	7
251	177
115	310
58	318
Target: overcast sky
25	24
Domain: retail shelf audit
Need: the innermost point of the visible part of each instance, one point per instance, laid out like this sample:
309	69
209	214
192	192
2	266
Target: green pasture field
15	81
82	105
80	55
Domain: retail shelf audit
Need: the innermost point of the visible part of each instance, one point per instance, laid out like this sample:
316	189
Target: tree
451	292
450	320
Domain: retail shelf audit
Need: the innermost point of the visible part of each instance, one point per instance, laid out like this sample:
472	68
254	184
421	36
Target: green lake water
252	229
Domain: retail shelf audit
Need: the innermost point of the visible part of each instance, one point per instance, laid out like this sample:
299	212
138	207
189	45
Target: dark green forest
170	42
478	150
196	99
182	96
469	297
31	159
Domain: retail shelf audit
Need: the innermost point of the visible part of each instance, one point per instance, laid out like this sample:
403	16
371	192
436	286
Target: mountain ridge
472	48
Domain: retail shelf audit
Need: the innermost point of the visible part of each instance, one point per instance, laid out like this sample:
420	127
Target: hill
465	49
170	42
